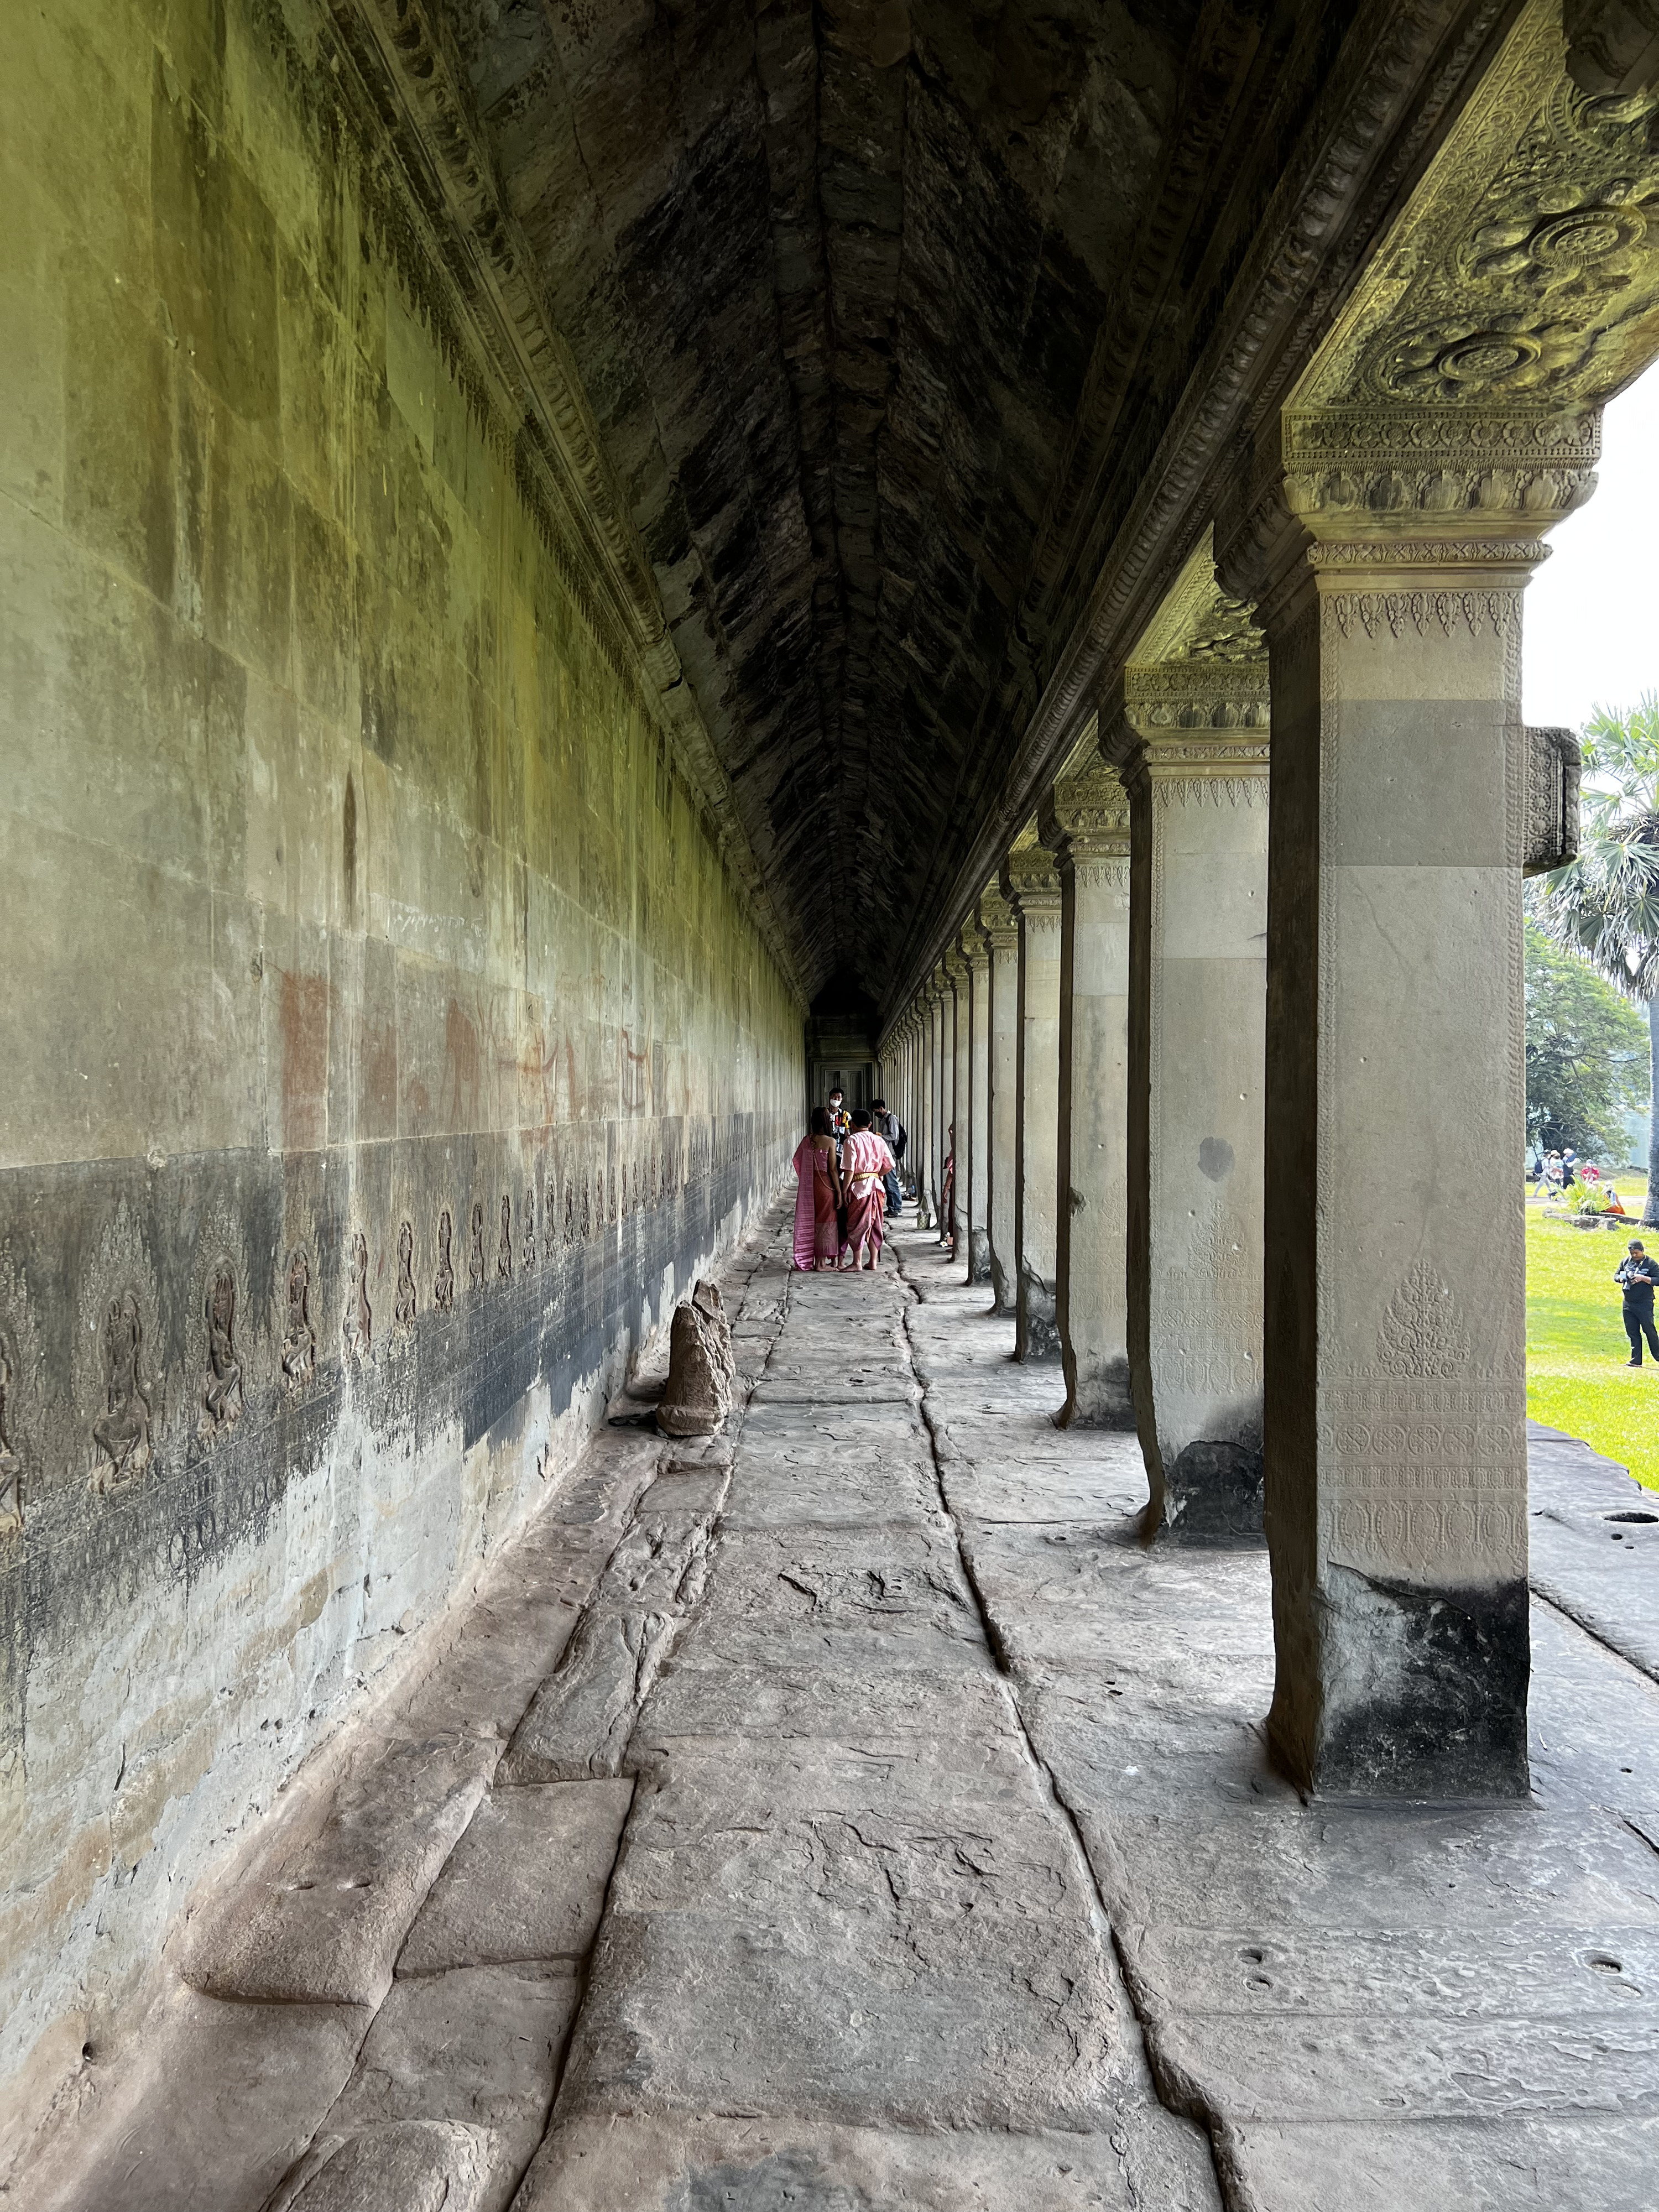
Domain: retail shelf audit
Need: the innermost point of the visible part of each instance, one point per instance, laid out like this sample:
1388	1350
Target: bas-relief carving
443	1283
475	1265
122	1430
299	1337
404	1304
527	1237
1420	1331
11	1467
357	1327
1523	268
1427	1463
504	1243
221	1386
119	1301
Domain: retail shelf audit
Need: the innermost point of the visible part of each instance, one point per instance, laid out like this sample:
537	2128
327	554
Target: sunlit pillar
1000	927
1388	576
1084	823
1031	887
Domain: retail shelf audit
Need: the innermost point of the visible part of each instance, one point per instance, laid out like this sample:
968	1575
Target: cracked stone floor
845	1815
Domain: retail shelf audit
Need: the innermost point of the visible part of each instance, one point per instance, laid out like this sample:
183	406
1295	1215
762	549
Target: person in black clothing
1637	1277
889	1126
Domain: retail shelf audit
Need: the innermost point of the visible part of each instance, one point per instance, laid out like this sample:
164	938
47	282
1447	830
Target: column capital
1404	500
997	919
1029	882
1086	817
1192	707
973	942
955	968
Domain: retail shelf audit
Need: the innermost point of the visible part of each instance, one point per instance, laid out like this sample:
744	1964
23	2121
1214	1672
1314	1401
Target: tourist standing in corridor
867	1160
817	1197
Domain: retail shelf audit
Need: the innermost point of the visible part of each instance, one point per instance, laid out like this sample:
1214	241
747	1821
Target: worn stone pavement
847	1815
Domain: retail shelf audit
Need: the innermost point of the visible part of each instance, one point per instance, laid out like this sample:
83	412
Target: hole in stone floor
1252	1957
1604	1963
1646	1519
1260	1981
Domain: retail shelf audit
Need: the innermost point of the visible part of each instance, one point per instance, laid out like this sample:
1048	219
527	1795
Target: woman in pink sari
818	1196
866	1159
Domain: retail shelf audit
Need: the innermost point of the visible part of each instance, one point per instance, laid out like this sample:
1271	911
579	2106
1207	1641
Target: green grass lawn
1576	1378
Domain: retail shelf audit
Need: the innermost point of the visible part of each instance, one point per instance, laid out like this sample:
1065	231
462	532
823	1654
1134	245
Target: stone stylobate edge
397	74
1313	243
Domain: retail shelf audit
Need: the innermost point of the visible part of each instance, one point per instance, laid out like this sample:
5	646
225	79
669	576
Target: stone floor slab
322	1917
1151	2162
221	2101
477	2049
527	1881
1540	2164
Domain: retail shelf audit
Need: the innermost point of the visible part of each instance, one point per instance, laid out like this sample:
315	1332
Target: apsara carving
358	1327
403	1310
443	1283
299	1337
11	1467
121	1432
222	1388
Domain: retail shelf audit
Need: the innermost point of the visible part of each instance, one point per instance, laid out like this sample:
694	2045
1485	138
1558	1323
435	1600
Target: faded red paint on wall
305	1062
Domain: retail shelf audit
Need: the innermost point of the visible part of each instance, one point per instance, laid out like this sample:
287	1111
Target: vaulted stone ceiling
877	305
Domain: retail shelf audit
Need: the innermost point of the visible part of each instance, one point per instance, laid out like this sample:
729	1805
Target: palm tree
1605	903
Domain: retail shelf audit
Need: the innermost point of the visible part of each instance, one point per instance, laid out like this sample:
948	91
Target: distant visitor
1638	1276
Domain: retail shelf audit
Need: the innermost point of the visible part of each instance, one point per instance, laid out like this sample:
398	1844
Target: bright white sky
1590	629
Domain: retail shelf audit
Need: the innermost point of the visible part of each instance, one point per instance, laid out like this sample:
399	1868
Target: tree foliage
1605	903
1587	1054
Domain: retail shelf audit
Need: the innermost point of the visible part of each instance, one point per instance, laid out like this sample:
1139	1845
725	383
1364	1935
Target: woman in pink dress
818	1196
866	1159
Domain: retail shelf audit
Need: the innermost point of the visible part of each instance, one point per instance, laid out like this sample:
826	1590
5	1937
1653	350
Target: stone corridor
846	1813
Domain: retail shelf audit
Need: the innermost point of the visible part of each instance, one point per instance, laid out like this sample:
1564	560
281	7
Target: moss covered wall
354	913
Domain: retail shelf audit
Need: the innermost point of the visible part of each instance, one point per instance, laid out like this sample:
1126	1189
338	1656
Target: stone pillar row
1182	1029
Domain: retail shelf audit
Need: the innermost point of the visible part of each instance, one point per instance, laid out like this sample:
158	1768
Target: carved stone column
1395	1330
927	1120
945	1094
1000	927
1192	744
916	1119
1032	889
959	1136
1084	823
976	1175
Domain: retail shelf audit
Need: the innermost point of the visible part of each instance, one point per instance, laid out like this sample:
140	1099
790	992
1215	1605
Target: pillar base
1425	1691
1212	1494
979	1257
1036	1332
1002	1287
1101	1401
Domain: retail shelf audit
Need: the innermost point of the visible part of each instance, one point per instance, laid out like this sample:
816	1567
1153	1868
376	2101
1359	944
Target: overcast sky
1590	635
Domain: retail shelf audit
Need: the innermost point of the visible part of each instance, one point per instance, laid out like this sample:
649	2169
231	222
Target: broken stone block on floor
701	1367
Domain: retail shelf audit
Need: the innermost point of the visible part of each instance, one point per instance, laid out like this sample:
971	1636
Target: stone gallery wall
386	1045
